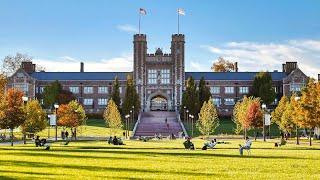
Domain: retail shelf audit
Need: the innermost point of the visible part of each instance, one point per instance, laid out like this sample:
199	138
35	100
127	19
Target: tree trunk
310	143
11	137
245	133
75	134
255	134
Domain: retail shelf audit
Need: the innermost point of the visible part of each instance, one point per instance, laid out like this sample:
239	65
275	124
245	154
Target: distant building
160	80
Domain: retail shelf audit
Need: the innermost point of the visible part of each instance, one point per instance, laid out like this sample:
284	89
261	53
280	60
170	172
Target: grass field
159	160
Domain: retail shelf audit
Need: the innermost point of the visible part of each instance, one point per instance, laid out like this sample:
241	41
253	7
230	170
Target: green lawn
159	160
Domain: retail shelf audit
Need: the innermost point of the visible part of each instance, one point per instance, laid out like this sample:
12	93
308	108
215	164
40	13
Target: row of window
227	101
101	101
228	90
163	75
86	90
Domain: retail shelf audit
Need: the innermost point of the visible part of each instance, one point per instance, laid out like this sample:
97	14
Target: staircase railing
136	125
181	124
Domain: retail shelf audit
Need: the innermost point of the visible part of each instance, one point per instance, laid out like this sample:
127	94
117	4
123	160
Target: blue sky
259	34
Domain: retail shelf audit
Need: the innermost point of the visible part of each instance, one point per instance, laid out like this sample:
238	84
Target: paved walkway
154	122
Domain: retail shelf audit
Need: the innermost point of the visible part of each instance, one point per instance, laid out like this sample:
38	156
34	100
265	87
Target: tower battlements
140	37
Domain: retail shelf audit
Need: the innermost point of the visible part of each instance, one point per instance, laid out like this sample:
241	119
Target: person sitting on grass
247	145
188	144
281	143
210	144
115	141
110	140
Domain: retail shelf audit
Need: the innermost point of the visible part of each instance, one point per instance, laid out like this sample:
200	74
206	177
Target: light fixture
264	106
56	106
24	98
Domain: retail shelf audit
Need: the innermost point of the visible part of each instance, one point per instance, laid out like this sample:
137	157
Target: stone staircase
153	122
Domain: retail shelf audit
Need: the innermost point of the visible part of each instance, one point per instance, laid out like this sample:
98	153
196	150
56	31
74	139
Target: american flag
142	11
181	11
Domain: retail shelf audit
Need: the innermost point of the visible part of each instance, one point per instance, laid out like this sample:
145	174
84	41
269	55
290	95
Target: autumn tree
11	111
36	119
3	83
71	115
255	115
262	87
112	117
246	115
190	97
131	98
64	97
276	115
208	118
204	92
223	65
116	92
308	108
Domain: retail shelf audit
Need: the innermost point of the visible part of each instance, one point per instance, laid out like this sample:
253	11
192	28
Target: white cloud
253	56
127	28
196	66
117	64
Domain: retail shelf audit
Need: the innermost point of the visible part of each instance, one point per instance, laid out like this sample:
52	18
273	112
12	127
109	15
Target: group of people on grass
211	144
115	140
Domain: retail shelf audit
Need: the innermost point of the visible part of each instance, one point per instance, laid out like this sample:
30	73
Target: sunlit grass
159	160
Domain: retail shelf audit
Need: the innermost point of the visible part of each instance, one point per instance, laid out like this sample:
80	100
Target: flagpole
139	21
178	21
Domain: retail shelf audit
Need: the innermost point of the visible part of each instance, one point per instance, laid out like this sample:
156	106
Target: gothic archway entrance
159	103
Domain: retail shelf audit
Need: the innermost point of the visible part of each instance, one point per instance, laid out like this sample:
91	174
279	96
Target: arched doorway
159	103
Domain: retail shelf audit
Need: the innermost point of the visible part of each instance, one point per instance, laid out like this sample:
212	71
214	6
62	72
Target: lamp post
25	100
264	107
187	111
184	113
56	106
126	126
191	117
297	130
130	119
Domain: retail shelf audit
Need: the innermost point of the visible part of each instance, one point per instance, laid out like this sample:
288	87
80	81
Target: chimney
28	67
236	67
283	67
81	67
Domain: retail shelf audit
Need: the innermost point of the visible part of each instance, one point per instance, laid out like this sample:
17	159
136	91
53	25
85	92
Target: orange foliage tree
71	115
254	116
11	111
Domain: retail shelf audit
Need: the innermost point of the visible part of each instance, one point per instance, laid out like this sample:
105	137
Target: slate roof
47	76
246	76
240	76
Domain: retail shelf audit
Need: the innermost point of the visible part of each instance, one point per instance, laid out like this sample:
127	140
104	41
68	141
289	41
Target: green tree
208	118
204	92
262	87
11	111
190	97
51	94
116	92
131	98
36	119
112	117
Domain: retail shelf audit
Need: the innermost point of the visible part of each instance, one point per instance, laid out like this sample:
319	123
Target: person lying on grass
188	144
247	145
210	144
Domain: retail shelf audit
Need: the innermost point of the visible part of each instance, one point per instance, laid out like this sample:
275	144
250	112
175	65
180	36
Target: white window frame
88	101
216	101
165	76
88	90
102	101
229	101
215	90
152	76
24	87
103	90
229	90
74	89
244	90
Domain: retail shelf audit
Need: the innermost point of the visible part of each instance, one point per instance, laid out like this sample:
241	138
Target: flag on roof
181	11
142	11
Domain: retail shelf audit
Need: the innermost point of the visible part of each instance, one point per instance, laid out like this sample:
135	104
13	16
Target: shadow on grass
141	152
96	168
